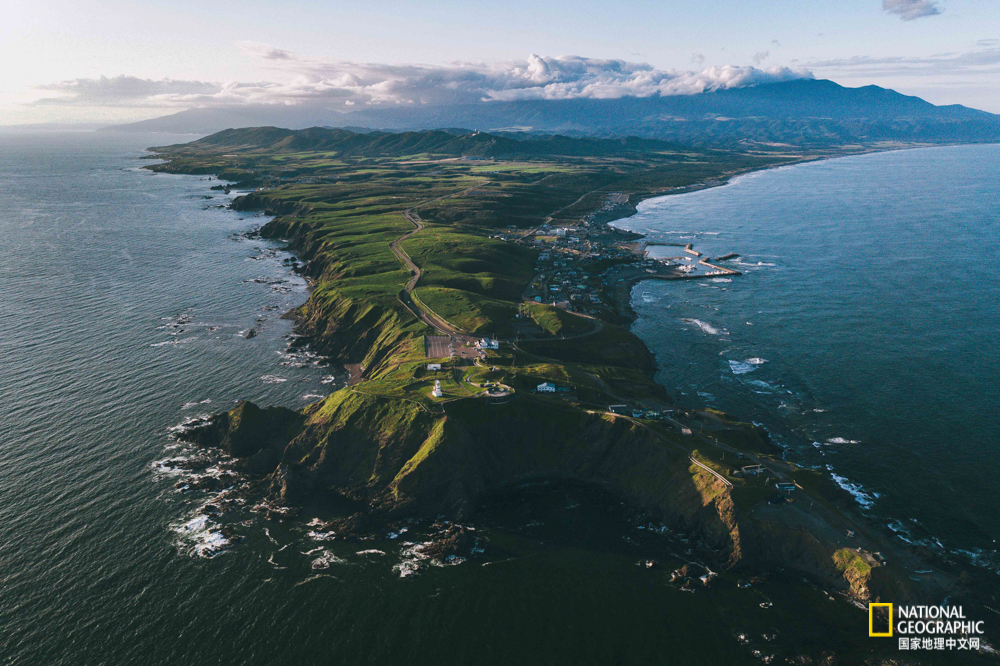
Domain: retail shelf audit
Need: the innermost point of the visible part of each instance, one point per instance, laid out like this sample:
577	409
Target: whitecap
324	561
861	496
704	326
178	341
272	379
313	396
321	536
371	551
841	440
761	384
199	537
741	367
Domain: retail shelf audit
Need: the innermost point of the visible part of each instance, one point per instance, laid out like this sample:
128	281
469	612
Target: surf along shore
509	247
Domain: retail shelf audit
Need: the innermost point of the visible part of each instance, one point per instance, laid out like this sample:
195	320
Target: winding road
421	311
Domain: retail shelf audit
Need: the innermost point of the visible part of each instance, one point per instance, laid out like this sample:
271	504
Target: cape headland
473	286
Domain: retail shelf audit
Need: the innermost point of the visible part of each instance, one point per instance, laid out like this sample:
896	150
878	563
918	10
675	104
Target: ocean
863	332
124	310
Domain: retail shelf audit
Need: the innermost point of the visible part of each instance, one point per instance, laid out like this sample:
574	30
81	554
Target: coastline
892	536
300	322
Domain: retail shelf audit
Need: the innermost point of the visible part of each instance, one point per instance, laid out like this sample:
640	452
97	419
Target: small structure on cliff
436	392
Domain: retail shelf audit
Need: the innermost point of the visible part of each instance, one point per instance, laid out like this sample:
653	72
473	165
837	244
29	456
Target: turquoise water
123	310
864	332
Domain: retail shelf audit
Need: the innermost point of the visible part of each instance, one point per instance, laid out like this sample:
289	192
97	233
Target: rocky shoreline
368	458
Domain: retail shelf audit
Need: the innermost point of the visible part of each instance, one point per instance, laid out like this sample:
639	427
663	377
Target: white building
488	343
437	389
433	366
547	387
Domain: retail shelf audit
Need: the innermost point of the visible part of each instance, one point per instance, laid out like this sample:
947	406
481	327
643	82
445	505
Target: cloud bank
123	90
911	9
310	81
982	62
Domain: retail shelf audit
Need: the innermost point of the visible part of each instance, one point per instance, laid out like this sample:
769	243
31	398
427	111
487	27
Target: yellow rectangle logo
871	621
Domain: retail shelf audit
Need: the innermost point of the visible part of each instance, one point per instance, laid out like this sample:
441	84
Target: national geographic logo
880	620
925	627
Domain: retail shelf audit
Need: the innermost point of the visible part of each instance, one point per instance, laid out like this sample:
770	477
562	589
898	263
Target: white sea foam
170	343
764	386
190	405
272	379
743	367
200	538
321	536
704	326
841	440
325	559
313	396
861	496
371	551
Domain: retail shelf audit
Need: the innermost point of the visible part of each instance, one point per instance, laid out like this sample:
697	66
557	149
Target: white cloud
760	57
982	62
311	81
123	90
911	9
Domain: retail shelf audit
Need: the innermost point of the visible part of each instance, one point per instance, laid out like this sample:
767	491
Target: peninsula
472	285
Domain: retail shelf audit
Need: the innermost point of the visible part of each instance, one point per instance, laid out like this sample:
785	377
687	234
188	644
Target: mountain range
801	112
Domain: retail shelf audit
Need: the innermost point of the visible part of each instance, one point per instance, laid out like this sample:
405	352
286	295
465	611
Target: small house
547	387
751	470
488	343
784	486
433	366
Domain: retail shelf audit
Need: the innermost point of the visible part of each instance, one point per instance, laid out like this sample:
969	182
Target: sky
108	61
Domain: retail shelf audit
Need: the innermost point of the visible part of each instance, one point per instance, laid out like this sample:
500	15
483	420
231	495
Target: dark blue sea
864	332
869	302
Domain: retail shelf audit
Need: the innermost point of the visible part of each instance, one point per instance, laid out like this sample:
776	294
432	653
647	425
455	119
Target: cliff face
247	431
400	460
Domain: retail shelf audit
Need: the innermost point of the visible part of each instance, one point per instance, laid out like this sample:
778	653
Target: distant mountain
800	112
439	142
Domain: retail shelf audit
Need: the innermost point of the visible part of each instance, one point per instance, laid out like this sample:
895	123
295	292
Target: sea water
125	300
863	332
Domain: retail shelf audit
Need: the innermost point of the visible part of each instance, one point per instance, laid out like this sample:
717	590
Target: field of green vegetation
340	199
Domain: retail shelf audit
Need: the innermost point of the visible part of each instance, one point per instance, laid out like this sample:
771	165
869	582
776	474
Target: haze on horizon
111	61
